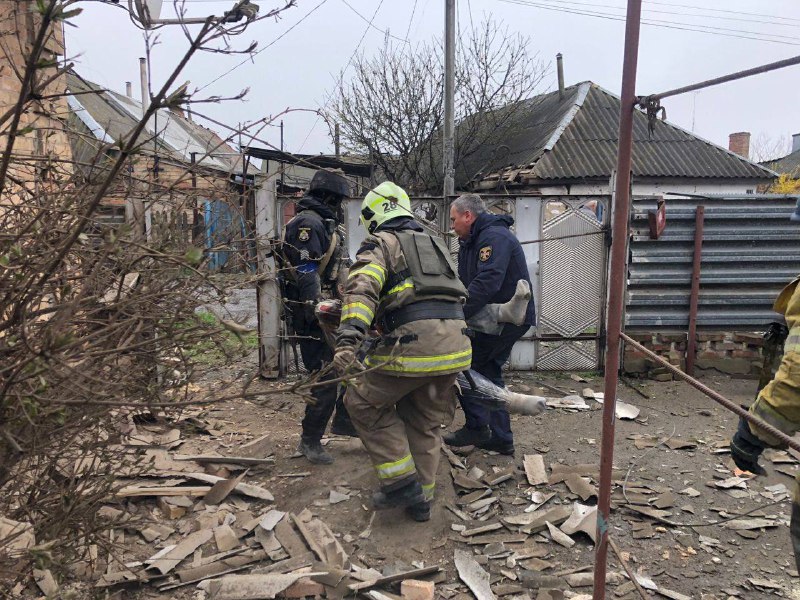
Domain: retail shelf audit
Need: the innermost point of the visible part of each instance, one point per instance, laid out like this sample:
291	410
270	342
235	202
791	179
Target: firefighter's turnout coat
381	290
779	402
404	283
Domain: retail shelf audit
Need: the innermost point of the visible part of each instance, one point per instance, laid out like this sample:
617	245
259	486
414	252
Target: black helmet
330	182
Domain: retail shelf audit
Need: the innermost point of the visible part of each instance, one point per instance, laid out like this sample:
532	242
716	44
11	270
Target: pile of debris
520	532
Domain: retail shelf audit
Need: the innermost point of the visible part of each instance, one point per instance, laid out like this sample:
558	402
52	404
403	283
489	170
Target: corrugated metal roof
587	144
108	114
789	164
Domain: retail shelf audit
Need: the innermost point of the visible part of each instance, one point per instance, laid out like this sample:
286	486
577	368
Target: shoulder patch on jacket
485	253
303	234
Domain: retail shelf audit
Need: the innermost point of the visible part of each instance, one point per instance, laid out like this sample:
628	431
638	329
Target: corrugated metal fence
750	251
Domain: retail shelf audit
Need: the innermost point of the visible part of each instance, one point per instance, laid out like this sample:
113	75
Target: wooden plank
223	460
133	491
482	529
413	574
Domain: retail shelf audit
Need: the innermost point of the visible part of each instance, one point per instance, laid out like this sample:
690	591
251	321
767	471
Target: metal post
691	342
283	164
267	291
616	288
196	231
449	96
135	206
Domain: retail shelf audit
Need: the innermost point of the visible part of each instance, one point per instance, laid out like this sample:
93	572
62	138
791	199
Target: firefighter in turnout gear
405	284
312	247
778	403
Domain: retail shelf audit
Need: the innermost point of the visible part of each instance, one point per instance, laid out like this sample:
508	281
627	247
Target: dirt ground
702	561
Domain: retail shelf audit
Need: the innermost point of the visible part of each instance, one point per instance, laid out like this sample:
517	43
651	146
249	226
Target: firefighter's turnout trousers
413	296
779	402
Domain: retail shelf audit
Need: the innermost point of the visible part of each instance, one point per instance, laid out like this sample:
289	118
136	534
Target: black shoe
419	512
468	437
344	428
408	495
506	448
314	452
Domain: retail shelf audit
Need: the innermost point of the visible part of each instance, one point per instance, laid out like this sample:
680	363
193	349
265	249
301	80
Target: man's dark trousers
489	354
326	397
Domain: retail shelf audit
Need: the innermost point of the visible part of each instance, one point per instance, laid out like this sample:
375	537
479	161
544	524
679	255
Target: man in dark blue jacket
490	263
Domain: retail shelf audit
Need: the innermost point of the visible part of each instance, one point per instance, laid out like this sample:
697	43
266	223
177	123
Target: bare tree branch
392	106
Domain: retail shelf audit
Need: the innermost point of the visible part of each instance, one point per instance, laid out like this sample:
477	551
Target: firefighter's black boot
314	452
408	495
419	512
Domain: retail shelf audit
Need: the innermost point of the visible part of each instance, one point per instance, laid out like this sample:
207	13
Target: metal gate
566	261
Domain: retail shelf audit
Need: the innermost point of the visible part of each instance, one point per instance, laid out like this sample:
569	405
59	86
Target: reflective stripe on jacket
378	282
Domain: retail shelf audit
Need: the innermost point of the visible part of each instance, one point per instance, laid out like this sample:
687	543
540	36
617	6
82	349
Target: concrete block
413	589
661	376
731	366
634	364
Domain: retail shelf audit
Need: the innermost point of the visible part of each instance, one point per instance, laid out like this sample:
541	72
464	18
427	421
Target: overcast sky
301	68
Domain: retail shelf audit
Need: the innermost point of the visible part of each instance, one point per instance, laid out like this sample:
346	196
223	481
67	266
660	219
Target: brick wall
733	353
44	139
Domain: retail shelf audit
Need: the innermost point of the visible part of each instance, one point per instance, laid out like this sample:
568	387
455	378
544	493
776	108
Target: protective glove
345	363
746	448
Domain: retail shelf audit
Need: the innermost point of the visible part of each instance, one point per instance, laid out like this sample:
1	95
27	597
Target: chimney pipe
560	67
129	89
739	143
336	145
795	142
143	81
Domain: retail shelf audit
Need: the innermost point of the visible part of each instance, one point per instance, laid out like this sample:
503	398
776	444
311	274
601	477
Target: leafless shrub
99	319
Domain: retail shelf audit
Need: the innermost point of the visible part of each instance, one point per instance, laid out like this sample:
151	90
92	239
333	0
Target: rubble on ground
521	531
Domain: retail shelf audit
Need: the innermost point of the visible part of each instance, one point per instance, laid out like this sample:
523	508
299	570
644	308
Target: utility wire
375	27
722	10
341	75
683	14
653	22
252	56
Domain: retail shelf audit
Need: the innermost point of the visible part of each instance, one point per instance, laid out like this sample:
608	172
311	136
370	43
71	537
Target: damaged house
184	174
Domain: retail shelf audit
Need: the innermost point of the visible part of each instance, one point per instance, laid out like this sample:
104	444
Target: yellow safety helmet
386	201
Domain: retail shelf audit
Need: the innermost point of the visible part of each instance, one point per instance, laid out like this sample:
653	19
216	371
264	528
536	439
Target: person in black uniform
314	250
490	263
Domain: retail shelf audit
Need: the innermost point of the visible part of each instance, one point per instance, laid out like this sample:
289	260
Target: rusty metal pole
781	64
691	341
616	288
